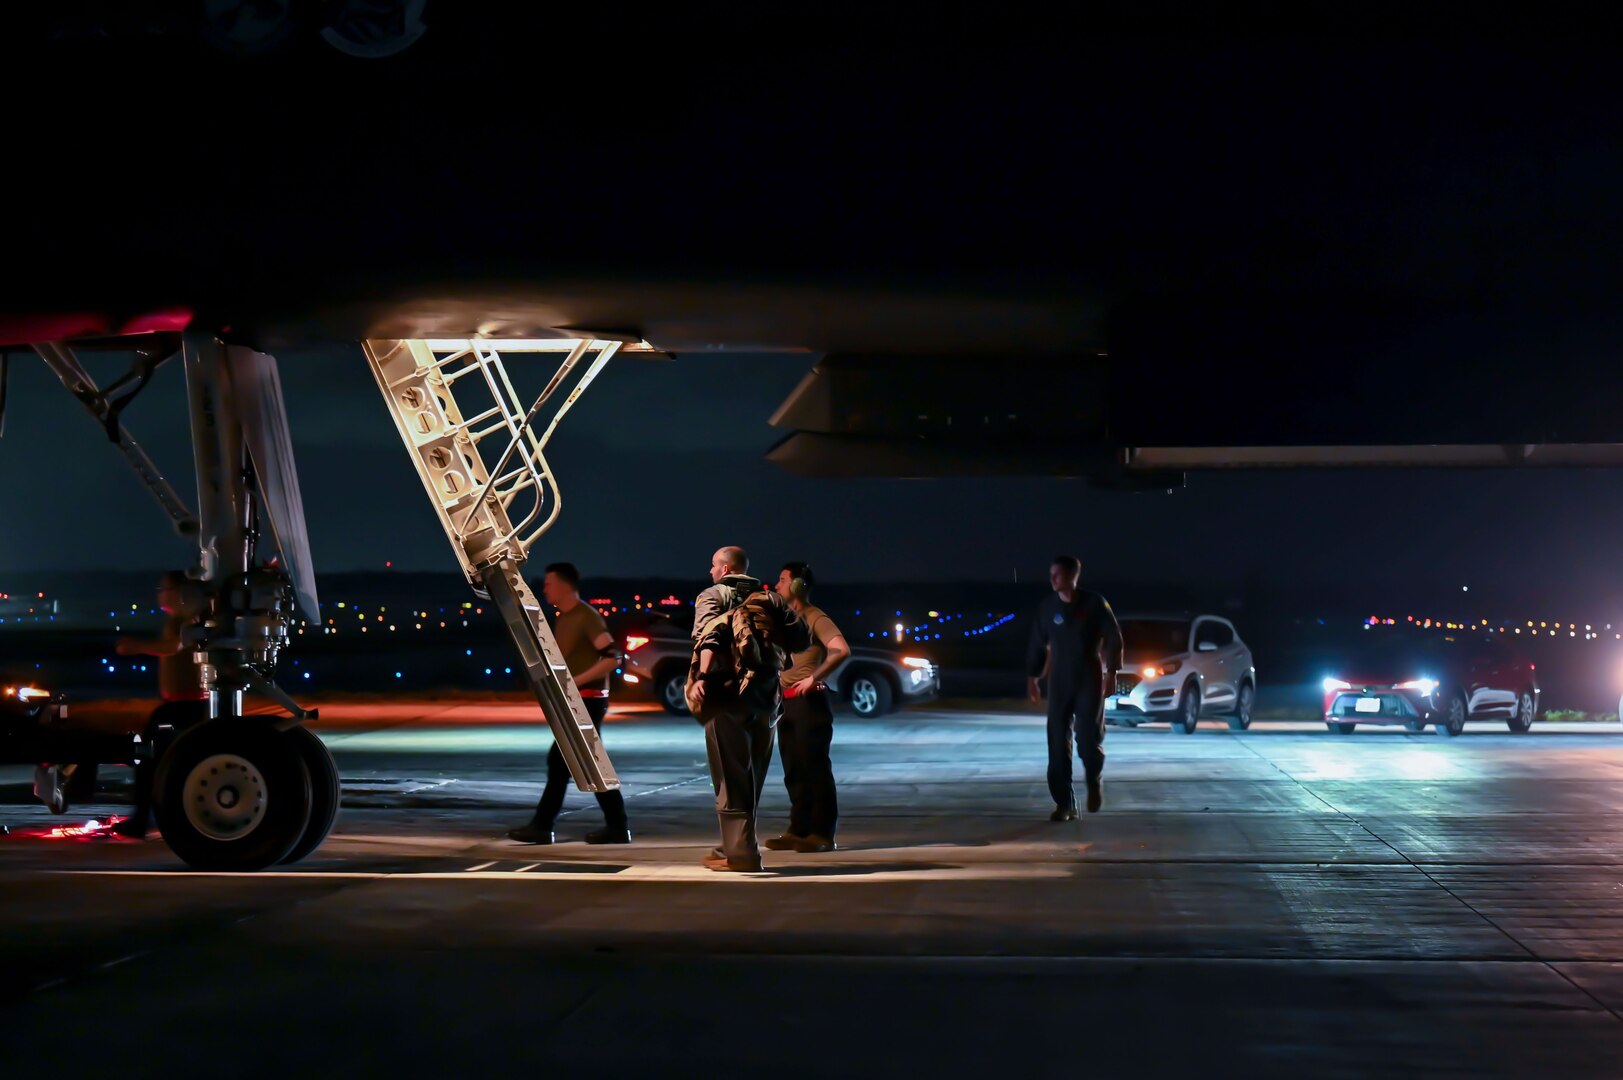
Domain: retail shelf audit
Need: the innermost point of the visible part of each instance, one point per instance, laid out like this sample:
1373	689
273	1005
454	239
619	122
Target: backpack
747	641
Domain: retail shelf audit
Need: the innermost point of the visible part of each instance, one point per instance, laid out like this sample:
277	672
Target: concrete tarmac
1281	902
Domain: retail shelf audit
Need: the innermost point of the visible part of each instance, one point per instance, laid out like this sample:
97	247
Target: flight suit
1082	644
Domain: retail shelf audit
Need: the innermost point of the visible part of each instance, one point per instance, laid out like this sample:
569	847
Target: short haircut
565	571
803	571
736	558
1068	563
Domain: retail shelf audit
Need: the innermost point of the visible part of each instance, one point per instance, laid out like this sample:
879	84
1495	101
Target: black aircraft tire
233	794
324	791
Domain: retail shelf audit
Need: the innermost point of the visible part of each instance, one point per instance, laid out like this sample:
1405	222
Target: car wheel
672	691
1338	728
870	694
1522	722
1187	718
1414	725
1240	720
1454	722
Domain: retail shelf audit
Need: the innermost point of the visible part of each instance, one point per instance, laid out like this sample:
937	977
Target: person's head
795	582
561	584
728	560
1064	573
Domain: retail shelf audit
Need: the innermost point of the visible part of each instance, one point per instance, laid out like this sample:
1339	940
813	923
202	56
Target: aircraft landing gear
233	791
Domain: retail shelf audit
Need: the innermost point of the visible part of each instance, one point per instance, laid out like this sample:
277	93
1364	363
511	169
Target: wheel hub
864	695
224	797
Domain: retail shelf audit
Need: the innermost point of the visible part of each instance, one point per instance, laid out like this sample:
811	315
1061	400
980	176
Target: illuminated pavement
1283	902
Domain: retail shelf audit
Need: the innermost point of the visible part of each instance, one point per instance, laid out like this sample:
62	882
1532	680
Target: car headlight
31	693
1155	671
915	662
1427	687
1332	685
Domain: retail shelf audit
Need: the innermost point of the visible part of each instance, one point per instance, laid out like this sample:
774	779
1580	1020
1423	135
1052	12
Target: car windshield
1403	653
1151	639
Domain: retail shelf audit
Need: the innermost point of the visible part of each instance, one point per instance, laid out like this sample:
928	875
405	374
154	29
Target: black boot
1096	794
1065	812
533	833
610	834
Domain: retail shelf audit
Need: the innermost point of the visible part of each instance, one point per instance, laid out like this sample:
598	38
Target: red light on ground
670	601
388	565
90	828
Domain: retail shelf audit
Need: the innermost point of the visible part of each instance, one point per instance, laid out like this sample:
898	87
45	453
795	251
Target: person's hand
1033	691
804	686
698	691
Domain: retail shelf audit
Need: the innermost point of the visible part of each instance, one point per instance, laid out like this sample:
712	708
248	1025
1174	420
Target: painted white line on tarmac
481	866
852	874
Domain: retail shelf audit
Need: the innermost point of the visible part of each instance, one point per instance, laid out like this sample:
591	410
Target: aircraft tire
324	791
233	794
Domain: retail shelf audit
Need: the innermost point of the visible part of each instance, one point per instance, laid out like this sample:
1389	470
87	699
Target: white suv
1179	668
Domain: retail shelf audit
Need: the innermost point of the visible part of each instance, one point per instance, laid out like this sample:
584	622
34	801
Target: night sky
641	479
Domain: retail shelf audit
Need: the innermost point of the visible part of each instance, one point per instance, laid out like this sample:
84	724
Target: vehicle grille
1392	705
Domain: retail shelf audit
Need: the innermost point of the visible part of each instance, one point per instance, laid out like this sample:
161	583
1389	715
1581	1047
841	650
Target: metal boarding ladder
478	503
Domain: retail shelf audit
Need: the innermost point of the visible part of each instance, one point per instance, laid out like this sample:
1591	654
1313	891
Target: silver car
1179	668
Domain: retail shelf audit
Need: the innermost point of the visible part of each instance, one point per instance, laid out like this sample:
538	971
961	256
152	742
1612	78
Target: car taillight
633	643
